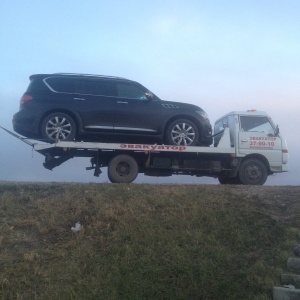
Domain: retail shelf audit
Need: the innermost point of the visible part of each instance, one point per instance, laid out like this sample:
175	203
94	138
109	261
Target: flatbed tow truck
247	148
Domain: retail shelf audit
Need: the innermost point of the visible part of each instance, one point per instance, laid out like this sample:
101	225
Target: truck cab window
256	124
220	126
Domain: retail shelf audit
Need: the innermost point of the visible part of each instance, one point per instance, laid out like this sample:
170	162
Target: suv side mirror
149	96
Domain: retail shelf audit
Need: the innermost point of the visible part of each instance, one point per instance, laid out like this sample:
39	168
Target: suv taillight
25	99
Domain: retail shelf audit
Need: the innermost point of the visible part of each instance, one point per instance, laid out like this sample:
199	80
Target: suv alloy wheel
58	126
182	132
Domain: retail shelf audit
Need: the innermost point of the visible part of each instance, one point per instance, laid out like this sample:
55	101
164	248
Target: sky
220	55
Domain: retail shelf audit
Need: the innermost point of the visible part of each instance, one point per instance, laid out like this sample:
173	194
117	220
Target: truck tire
253	172
182	132
122	168
58	126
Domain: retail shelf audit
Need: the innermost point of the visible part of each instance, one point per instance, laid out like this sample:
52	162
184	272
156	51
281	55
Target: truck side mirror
276	130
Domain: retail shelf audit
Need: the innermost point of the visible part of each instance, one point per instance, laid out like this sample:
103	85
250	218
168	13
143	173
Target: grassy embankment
144	241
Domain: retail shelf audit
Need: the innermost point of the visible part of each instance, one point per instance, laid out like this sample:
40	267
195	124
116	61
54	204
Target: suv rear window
61	85
36	85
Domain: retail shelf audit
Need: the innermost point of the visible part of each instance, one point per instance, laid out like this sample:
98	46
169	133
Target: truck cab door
257	135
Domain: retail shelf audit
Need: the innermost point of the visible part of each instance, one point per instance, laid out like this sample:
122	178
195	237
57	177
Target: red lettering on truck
152	147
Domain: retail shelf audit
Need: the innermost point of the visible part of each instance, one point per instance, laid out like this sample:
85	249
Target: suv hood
182	105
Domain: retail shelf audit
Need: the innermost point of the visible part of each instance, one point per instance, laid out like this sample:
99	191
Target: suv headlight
203	114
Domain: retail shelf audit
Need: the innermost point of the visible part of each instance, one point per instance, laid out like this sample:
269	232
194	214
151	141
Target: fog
219	55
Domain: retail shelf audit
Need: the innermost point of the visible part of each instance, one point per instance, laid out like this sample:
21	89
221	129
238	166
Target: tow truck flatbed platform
243	153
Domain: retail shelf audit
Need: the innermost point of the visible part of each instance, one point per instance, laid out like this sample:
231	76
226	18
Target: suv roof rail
90	75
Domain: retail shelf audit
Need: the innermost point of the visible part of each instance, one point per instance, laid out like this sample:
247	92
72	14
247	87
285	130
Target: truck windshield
256	124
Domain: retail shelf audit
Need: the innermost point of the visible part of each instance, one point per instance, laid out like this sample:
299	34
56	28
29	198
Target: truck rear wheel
253	172
122	168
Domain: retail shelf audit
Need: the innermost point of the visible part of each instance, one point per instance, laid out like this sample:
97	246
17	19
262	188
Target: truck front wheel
122	169
253	172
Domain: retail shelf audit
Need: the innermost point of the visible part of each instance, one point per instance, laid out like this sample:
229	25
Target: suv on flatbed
67	106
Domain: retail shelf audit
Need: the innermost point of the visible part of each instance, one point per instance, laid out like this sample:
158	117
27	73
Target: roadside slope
145	241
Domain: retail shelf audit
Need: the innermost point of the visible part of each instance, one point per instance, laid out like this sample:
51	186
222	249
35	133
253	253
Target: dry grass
144	241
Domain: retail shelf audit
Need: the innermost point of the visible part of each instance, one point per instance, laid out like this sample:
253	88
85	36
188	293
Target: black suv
74	106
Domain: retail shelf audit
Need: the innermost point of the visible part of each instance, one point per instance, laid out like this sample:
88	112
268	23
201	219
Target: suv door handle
244	141
122	102
79	99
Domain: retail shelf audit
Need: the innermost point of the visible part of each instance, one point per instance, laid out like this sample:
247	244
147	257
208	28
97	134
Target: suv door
95	102
134	111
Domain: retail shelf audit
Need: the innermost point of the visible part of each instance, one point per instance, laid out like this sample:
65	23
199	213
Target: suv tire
58	126
182	132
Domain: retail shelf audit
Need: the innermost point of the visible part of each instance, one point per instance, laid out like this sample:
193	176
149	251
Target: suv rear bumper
25	124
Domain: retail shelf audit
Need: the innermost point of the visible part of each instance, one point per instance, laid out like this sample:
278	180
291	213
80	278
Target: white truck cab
253	134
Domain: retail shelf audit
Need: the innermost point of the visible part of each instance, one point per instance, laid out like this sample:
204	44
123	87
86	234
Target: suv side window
130	91
96	87
256	124
61	85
